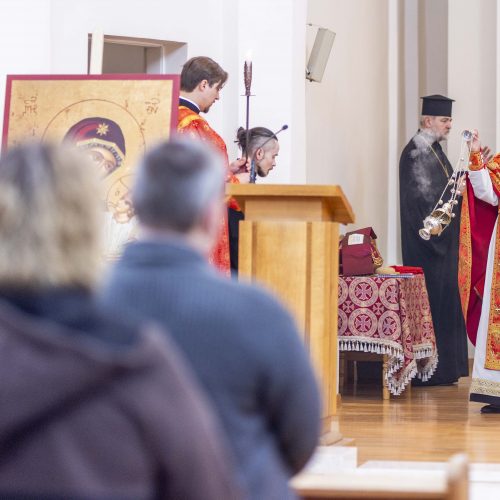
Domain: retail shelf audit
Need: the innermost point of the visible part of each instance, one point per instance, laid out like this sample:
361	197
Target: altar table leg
385	391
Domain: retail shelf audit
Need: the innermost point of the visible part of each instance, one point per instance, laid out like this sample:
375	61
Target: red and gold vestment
476	231
191	124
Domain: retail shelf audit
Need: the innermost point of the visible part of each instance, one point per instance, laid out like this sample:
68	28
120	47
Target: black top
188	104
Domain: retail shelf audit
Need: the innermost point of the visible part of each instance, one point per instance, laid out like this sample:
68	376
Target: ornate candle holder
247	80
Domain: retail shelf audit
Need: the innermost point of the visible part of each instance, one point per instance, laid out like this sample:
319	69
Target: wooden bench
394	484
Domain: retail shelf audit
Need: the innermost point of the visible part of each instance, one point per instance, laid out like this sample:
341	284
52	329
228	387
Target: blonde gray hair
50	211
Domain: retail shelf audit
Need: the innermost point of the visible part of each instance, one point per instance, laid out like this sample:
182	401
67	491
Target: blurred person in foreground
93	406
241	342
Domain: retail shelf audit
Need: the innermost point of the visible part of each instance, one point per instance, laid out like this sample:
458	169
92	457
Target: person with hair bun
264	156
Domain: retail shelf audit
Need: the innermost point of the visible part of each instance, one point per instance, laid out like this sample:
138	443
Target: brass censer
442	213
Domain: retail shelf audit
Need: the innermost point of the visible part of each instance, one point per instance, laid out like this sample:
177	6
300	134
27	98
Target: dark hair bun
241	138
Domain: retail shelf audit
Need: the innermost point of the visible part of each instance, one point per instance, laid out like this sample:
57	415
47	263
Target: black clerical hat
436	105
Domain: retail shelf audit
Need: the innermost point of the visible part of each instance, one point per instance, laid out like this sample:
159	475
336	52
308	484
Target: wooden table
389	315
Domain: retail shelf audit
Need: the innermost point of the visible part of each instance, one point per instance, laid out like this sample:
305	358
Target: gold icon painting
113	119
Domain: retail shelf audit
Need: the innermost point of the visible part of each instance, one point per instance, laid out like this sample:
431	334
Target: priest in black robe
424	171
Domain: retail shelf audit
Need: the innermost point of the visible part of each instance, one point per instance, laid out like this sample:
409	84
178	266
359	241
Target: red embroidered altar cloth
390	315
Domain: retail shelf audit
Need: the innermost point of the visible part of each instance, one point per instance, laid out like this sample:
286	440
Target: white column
96	52
393	87
411	69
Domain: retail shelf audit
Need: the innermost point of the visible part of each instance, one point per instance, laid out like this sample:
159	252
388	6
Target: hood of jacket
47	369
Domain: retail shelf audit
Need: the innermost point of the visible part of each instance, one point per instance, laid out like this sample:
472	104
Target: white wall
158	19
25	40
347	113
50	36
472	70
274	31
433	45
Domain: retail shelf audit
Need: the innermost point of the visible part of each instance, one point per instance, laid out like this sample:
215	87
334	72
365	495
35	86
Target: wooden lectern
289	241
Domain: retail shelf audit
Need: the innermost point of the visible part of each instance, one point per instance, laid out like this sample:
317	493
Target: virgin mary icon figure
103	141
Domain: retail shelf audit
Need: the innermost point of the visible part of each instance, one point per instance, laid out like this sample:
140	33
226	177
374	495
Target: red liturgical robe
192	125
477	225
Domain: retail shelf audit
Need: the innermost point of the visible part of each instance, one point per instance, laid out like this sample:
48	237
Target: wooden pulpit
289	242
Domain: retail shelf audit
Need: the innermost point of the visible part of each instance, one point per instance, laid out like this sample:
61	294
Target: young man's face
268	160
211	94
440	126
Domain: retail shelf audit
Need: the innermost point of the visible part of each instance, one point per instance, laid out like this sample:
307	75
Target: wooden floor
429	425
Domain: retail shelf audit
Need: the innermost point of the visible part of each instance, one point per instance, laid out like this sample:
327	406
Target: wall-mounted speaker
319	54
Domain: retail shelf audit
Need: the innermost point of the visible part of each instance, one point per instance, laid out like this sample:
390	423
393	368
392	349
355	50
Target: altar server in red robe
202	79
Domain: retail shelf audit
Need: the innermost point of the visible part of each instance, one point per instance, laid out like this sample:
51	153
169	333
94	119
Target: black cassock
423	174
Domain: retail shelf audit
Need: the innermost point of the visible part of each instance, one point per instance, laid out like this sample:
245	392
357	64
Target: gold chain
437	157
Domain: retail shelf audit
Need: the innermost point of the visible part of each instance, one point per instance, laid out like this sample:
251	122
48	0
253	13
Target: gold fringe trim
465	256
492	361
486	387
